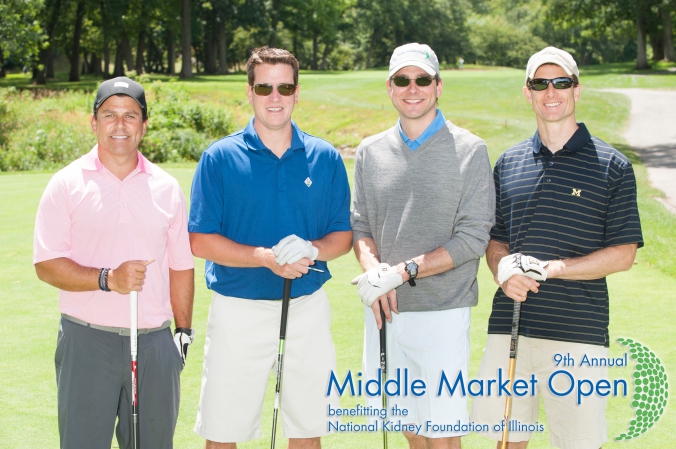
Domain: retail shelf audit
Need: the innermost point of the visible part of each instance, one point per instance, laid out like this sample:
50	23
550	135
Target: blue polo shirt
558	206
244	192
438	123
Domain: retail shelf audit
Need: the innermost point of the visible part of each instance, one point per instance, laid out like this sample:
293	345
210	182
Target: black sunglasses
558	83
404	81
266	89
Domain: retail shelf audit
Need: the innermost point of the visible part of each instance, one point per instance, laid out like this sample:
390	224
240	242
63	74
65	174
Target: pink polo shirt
90	216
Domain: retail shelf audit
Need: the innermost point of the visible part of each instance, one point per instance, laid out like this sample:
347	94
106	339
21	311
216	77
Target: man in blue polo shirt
566	217
266	203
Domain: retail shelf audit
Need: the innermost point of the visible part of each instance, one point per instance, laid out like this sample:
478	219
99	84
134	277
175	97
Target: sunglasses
266	89
404	81
558	83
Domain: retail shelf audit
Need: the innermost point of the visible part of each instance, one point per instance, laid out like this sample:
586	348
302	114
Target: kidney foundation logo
651	389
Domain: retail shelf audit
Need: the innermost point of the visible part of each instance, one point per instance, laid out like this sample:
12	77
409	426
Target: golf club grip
383	341
516	317
285	308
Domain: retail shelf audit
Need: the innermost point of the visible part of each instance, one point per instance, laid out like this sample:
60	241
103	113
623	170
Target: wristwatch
412	270
189	332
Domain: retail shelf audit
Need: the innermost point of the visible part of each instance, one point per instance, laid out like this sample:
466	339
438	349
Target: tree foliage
114	37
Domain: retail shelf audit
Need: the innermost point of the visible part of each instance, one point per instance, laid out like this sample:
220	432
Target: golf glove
521	264
292	248
377	282
183	337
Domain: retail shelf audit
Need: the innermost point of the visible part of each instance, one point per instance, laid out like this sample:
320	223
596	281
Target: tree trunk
223	50
40	78
186	68
273	25
106	44
325	55
140	50
171	54
209	51
641	55
46	59
49	65
669	54
371	45
2	64
119	60
77	35
96	65
126	48
315	50
656	44
106	59
85	64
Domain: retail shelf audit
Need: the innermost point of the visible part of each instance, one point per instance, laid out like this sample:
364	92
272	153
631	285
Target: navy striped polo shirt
558	206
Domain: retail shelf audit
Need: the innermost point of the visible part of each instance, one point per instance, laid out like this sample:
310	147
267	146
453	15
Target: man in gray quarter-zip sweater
424	206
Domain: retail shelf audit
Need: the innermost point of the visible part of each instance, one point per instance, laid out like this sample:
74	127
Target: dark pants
93	377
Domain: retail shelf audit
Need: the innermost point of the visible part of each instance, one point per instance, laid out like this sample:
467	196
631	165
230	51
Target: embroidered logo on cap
121	84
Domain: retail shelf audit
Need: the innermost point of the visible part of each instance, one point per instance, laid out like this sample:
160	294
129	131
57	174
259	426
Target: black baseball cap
121	86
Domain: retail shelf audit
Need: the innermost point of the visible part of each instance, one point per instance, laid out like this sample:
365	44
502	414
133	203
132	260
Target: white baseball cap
552	55
418	55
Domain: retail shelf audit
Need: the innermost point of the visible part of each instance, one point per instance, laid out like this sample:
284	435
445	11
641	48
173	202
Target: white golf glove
292	248
377	282
183	337
521	264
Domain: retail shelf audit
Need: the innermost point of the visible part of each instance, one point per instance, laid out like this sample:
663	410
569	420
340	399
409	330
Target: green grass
343	107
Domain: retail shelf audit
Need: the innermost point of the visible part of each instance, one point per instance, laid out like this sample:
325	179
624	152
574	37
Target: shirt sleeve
359	218
206	197
52	235
178	240
476	211
498	231
339	210
623	225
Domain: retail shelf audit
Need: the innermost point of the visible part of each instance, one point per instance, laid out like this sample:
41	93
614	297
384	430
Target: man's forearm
431	263
494	253
596	265
65	274
333	245
223	251
367	253
182	294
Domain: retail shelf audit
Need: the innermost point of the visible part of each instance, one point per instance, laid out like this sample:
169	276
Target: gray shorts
93	377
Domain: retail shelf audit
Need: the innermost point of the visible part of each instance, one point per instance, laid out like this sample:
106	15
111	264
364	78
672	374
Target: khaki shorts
571	426
240	353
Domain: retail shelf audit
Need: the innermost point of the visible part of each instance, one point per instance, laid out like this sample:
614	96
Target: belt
124	331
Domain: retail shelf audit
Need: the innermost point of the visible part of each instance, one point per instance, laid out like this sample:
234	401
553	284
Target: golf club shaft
516	317
280	358
133	343
383	365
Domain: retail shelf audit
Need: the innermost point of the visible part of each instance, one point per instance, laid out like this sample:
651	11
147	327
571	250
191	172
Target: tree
21	36
186	40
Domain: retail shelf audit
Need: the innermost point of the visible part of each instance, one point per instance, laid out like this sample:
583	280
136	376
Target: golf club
280	357
383	365
133	335
516	317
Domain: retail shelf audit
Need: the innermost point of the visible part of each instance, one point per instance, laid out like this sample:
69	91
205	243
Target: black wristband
105	280
101	286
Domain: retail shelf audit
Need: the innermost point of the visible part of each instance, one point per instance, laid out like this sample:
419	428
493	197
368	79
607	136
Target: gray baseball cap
552	55
418	55
121	86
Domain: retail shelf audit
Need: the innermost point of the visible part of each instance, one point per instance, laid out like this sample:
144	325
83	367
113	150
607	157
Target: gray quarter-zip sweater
412	202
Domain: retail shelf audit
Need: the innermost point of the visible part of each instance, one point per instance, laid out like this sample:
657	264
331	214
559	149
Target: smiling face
553	105
119	127
273	112
415	102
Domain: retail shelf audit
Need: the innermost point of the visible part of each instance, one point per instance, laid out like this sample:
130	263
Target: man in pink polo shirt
110	223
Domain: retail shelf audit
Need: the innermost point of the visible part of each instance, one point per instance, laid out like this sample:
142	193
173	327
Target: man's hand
522	265
129	276
292	248
183	338
377	282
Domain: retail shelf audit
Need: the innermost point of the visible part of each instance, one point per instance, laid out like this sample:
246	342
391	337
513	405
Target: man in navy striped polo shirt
566	216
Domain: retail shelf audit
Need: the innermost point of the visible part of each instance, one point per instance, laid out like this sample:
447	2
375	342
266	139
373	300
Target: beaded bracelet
101	286
105	279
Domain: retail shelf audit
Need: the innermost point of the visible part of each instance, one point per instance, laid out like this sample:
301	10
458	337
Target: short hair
267	55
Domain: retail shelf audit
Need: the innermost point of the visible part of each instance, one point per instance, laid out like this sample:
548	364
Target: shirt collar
438	123
576	142
254	142
91	161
